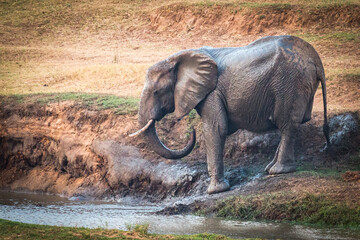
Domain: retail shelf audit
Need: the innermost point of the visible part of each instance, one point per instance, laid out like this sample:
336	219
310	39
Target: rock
341	127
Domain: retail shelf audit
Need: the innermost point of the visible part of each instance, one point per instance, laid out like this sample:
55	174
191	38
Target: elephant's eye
156	92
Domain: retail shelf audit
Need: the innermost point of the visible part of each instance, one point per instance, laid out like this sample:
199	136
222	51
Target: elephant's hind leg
267	168
284	160
307	115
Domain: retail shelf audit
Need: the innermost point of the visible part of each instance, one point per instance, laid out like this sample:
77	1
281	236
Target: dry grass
74	46
26	70
120	79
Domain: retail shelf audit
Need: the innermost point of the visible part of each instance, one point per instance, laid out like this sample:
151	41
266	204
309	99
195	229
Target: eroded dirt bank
248	18
69	149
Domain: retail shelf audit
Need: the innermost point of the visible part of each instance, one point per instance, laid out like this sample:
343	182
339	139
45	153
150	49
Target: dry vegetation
106	46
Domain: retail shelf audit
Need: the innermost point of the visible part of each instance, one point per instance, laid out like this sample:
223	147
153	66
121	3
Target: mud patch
129	174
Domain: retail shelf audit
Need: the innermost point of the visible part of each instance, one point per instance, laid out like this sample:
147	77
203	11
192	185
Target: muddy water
54	210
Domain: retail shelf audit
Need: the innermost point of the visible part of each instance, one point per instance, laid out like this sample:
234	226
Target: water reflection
54	210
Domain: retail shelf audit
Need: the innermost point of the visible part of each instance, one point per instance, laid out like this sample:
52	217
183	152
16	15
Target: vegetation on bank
118	105
305	209
52	14
16	230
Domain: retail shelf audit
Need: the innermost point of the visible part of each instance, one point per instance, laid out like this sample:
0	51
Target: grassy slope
15	230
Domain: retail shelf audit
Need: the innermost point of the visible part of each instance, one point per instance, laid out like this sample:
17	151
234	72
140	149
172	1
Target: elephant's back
264	49
289	48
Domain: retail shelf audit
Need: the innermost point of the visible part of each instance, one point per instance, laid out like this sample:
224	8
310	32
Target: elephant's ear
196	76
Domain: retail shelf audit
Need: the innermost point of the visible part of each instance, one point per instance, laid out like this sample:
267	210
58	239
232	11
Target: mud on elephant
268	84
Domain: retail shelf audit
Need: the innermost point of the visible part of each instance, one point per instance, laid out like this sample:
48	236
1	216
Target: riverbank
16	230
46	209
285	207
76	145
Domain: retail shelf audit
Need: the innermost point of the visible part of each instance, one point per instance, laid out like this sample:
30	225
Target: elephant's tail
321	78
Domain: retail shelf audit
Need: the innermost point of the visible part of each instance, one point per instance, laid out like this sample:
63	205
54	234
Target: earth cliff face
68	149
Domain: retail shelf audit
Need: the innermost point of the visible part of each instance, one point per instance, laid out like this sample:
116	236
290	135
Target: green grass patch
16	230
85	98
339	36
343	74
139	228
308	209
270	4
119	105
193	122
305	170
236	6
332	173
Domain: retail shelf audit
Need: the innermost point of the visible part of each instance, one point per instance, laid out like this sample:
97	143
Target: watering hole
59	211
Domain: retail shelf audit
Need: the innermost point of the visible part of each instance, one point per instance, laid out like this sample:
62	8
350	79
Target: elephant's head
178	84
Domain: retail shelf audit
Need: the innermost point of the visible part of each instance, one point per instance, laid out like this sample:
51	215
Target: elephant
268	84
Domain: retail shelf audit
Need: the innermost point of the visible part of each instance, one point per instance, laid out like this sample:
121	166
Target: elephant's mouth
149	131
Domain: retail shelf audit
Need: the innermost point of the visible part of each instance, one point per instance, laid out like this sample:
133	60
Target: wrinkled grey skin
268	84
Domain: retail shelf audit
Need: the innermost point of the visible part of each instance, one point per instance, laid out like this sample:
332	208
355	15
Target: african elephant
268	84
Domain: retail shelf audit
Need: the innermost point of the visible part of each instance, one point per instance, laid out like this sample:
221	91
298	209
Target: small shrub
141	229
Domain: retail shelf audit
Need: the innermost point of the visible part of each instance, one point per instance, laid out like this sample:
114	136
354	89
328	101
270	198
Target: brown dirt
179	19
351	176
65	148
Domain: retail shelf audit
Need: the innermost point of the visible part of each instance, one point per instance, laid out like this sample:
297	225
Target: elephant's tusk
143	129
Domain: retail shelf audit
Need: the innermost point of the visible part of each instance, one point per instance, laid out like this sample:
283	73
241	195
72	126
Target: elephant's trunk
162	150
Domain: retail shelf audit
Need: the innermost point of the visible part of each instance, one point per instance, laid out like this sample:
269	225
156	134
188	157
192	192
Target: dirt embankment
230	19
66	148
71	150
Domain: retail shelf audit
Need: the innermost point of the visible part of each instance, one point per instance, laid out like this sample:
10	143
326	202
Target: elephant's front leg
215	130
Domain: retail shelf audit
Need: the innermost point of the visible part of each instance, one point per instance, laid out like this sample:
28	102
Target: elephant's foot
218	187
279	168
269	166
